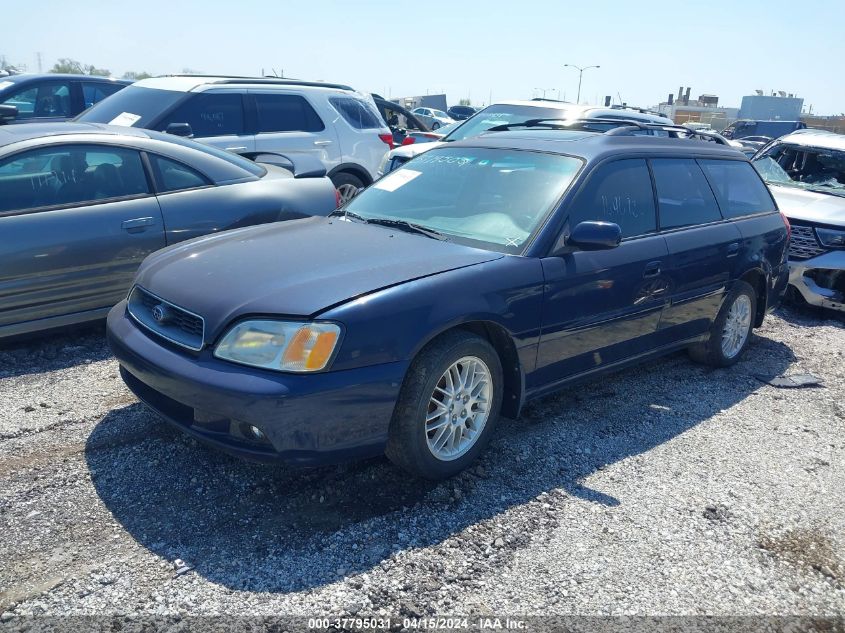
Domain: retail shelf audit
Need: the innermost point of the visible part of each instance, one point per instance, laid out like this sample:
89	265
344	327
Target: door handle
137	223
240	148
652	269
733	249
322	142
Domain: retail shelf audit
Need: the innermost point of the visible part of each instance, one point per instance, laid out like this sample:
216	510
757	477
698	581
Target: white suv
252	116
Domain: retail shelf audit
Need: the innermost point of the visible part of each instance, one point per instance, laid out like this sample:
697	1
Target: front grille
166	319
803	244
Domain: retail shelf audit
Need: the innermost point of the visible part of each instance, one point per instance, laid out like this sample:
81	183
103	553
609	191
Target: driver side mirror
592	236
179	129
8	113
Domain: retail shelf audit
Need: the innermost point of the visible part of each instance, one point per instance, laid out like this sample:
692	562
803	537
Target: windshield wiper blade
347	214
410	227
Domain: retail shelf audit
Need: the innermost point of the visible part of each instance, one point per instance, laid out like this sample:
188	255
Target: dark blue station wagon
476	277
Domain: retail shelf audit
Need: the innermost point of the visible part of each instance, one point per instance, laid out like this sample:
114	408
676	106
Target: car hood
809	206
294	268
414	149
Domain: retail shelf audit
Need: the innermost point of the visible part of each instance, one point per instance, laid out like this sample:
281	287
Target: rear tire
426	416
347	185
731	331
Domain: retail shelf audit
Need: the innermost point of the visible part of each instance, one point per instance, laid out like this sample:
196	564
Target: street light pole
580	74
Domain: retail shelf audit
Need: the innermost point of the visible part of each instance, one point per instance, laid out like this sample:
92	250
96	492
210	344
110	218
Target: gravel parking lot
666	489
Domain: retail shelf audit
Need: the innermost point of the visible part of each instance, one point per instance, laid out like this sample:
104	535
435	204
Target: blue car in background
478	276
50	97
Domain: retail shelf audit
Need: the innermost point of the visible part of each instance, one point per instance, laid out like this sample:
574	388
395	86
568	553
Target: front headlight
280	345
831	237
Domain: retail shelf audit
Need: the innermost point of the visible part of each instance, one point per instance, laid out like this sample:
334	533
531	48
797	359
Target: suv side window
357	113
174	176
210	114
50	99
95	92
683	196
618	192
70	174
738	188
286	113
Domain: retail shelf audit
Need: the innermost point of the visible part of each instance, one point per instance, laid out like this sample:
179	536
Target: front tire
435	126
448	406
731	331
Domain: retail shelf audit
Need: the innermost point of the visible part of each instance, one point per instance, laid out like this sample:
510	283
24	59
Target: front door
601	307
76	222
216	118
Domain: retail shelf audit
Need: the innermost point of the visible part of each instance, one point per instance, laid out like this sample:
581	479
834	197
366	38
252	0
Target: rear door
288	122
602	307
216	118
76	221
702	247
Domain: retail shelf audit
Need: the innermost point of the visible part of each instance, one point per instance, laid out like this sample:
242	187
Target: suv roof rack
621	127
635	109
236	79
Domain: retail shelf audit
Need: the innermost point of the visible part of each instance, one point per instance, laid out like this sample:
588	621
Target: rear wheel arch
354	170
758	280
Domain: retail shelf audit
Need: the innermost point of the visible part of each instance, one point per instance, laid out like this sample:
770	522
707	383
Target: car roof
26	77
583	111
188	83
815	138
595	146
25	131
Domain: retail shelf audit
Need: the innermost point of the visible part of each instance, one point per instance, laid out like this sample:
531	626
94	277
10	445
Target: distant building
778	106
705	109
437	102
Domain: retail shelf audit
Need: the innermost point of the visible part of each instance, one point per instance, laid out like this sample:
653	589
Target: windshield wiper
410	227
348	214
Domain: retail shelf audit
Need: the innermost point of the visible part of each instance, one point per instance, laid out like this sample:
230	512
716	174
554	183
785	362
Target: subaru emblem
160	313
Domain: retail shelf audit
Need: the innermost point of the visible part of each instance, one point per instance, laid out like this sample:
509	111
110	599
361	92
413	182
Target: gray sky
513	49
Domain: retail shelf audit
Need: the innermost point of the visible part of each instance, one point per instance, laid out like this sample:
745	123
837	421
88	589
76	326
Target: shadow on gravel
259	528
53	350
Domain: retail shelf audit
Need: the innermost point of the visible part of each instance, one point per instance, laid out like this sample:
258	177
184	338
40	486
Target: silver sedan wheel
347	192
737	326
459	408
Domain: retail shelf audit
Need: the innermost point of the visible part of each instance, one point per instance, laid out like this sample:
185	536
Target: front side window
286	113
738	188
209	114
683	196
174	176
618	192
70	174
41	101
357	113
489	198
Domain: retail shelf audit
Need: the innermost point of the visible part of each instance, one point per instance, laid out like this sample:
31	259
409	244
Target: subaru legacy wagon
480	275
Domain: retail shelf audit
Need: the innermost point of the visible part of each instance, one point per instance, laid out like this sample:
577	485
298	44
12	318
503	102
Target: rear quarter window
738	187
357	113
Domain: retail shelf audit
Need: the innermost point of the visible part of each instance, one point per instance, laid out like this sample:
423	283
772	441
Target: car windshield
489	198
502	114
816	169
132	107
440	113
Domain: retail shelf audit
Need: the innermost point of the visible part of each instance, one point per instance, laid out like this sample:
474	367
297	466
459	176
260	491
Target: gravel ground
666	489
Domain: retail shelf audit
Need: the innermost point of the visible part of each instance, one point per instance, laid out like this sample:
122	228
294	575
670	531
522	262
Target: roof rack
236	79
636	109
621	127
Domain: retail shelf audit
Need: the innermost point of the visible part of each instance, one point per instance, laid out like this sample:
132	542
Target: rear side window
618	192
95	92
286	113
174	176
357	113
70	174
683	196
737	187
210	114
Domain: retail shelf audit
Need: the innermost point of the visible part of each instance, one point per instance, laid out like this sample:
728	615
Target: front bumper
820	280
307	420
